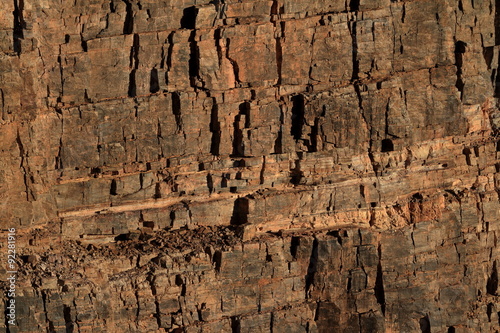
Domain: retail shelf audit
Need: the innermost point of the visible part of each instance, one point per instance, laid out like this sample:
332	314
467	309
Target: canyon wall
251	166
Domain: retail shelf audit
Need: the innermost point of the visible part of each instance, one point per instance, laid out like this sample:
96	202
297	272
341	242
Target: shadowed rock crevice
312	268
134	64
19	24
188	20
379	283
176	110
387	145
128	24
215	129
154	85
460	48
235	325
492	283
354	46
236	68
294	244
354	5
298	106
241	121
495	77
240	211
67	318
194	60
497	24
425	325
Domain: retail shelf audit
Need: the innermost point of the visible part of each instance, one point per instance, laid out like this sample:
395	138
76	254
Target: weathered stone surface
251	166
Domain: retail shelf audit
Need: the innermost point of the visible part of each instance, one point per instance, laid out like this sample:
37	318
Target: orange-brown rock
251	166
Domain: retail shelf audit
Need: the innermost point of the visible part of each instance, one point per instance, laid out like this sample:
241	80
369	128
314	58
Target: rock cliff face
251	166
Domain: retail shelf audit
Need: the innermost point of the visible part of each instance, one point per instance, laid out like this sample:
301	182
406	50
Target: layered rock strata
251	166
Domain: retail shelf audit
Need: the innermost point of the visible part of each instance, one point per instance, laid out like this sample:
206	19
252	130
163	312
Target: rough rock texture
251	166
